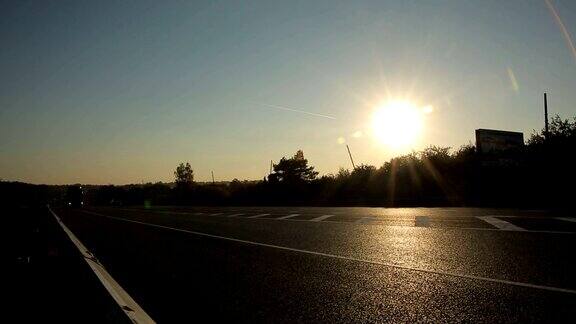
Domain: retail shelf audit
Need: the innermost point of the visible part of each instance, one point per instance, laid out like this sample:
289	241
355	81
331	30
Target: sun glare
397	124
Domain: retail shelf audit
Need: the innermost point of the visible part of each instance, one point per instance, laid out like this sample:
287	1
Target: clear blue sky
121	91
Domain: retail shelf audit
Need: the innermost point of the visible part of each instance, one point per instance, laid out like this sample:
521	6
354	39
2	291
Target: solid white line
341	257
288	216
500	224
259	215
321	218
235	215
573	220
122	298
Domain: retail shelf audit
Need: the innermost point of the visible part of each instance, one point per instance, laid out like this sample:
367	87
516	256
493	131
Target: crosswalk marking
257	216
288	216
320	218
235	215
500	224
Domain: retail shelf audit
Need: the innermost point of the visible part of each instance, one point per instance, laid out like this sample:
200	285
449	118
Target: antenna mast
351	160
545	116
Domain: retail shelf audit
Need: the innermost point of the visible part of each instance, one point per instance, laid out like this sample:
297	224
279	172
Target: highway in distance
314	264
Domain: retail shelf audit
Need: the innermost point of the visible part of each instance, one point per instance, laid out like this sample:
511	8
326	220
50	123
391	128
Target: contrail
299	111
565	33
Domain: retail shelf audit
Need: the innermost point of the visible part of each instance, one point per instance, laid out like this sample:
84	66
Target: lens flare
397	124
562	27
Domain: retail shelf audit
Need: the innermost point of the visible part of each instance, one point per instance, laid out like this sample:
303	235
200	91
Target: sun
397	124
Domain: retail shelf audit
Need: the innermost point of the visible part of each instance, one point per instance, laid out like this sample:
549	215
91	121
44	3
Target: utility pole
545	117
351	160
271	164
213	177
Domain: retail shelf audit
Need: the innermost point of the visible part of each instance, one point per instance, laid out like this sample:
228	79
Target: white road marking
122	298
369	220
198	213
342	257
288	216
422	221
235	215
500	224
216	214
567	219
365	220
259	215
321	218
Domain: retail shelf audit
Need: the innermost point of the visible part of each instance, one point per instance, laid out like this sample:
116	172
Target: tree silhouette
293	170
184	175
562	131
537	175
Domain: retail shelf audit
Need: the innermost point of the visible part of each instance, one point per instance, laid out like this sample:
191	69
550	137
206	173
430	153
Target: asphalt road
297	264
48	281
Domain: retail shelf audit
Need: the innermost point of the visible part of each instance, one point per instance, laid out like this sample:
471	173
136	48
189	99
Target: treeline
541	174
13	193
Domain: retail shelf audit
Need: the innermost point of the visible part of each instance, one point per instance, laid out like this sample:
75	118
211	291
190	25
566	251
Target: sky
116	92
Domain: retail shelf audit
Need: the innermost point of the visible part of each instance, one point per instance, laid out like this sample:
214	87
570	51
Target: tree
184	175
464	152
293	170
561	131
342	174
436	154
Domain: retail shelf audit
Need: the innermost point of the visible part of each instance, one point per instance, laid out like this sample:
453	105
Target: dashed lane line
321	218
370	220
288	216
500	224
342	257
567	219
258	216
235	215
365	220
422	221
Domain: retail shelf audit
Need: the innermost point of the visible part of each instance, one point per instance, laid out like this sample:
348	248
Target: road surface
48	281
296	264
